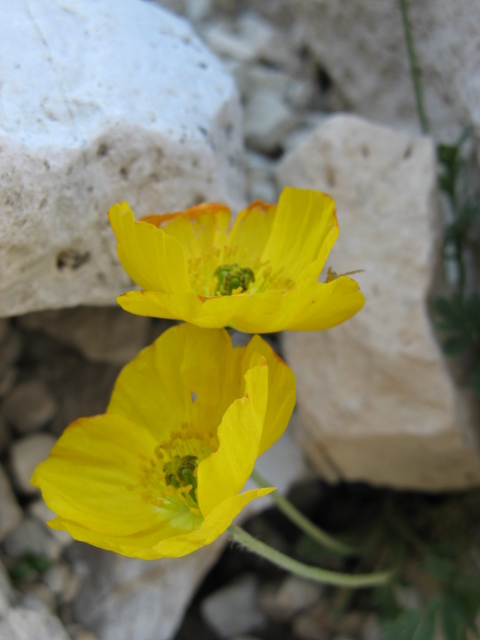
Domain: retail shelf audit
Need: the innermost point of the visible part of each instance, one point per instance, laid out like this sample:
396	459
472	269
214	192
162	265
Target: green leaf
472	308
442	570
454	346
413	625
384	599
453	617
443	307
446	326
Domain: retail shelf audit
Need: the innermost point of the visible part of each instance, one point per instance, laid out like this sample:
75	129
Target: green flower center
180	472
232	279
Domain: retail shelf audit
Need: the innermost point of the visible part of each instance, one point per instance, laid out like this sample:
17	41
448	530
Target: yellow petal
186	375
320	305
252	228
301	231
162	541
153	260
224	473
198	229
92	475
249	313
281	391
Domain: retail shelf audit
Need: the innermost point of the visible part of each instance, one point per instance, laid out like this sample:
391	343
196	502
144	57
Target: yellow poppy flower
160	473
260	276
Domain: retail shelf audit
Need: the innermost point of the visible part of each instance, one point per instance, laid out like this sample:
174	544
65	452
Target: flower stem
414	68
305	571
302	522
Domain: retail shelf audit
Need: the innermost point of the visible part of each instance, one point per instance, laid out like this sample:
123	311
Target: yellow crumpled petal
285	245
102	477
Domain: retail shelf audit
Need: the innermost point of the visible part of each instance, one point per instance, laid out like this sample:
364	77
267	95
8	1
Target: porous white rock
375	394
362	46
102	102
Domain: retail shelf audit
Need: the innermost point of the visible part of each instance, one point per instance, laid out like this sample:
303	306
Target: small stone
101	334
198	10
4	328
38	597
6	592
260	178
10	512
41	512
371	629
267	121
226	43
282	603
60	580
10	350
233	609
29	407
32	537
299	93
81	634
25	455
256	77
8	378
25	624
408	597
313	624
5	436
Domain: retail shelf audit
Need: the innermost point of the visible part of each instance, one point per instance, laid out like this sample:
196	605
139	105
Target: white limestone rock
362	46
102	102
375	395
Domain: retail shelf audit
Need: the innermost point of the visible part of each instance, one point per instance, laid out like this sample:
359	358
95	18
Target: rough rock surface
362	47
375	395
146	115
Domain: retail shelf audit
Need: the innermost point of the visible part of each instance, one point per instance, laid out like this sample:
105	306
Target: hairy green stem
302	522
305	571
414	68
